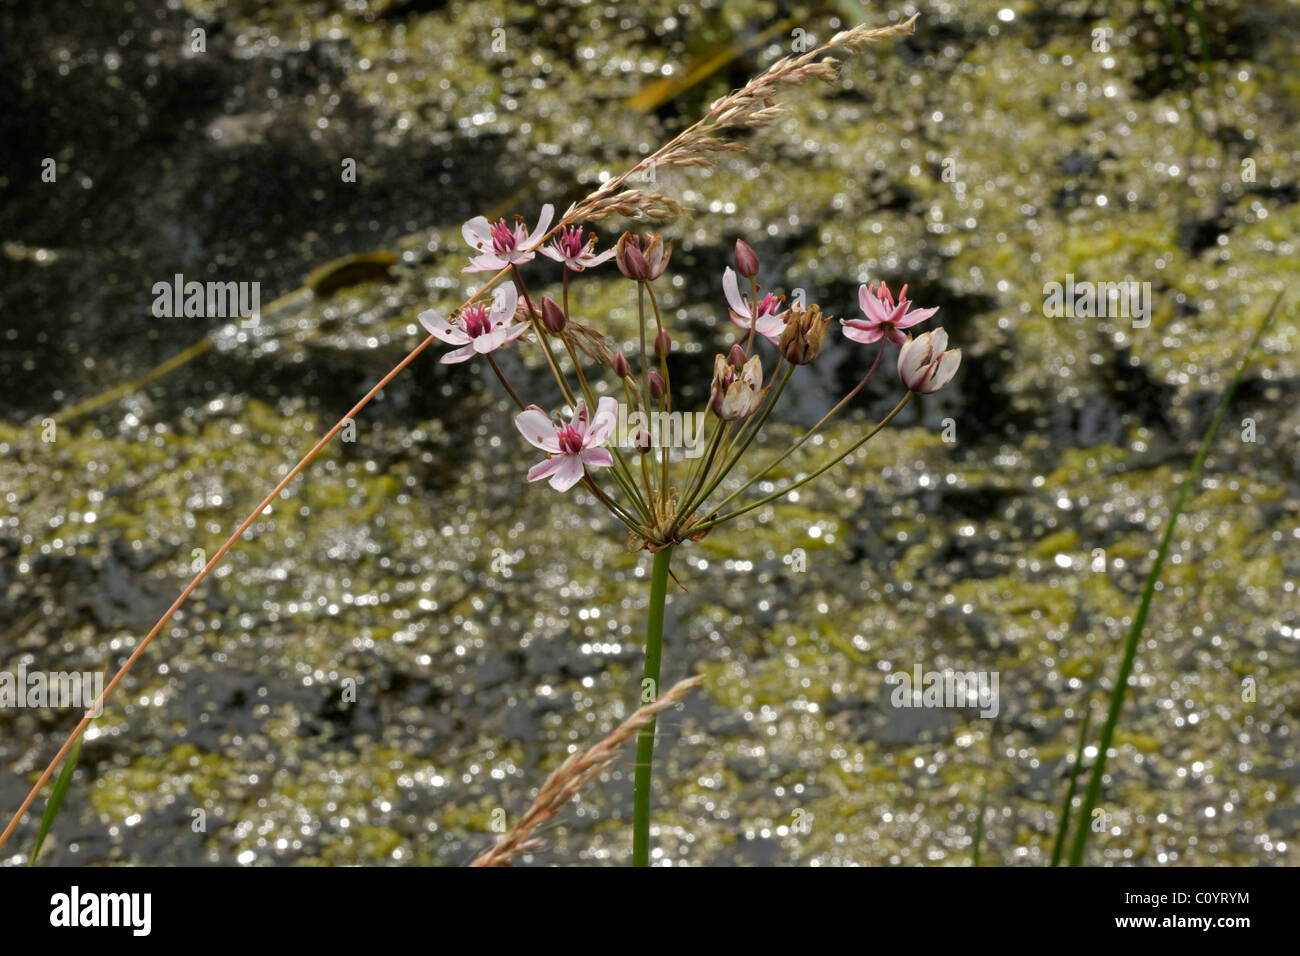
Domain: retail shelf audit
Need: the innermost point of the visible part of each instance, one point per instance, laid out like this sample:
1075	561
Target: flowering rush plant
662	497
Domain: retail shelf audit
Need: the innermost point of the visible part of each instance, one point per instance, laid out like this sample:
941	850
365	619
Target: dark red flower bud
663	343
619	364
657	385
746	259
552	315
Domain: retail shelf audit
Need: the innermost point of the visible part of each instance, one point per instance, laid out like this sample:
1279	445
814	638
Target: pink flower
924	366
478	329
884	317
572	448
768	318
501	245
568	247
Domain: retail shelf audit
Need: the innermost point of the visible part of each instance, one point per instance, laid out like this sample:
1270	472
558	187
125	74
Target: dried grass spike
577	770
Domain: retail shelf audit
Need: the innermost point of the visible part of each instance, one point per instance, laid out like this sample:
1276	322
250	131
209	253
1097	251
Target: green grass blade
1139	621
56	798
983	811
1059	847
984	795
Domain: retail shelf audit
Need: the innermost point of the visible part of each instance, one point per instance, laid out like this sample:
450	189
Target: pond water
1004	525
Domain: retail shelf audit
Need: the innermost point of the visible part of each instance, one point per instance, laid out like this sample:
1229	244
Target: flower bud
643	441
657	254
628	256
737	356
663	343
926	364
737	393
746	259
619	364
657	385
804	335
643	259
552	315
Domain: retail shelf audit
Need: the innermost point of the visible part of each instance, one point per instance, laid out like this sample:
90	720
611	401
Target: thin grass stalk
979	822
977	849
562	785
198	578
1148	592
1059	846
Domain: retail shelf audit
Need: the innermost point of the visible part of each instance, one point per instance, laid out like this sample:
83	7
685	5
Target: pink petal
568	474
543	223
945	369
505	298
604	422
486	263
478	233
537	429
924	377
913	354
597	458
771	327
915	316
862	332
513	333
864	296
872	307
459	355
435	324
732	291
545	469
488	343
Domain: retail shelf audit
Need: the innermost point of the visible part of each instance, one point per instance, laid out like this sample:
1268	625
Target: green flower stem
645	361
734	458
582	376
622	474
666	403
701	477
539	330
753	315
706	525
807	435
502	378
755	422
645	744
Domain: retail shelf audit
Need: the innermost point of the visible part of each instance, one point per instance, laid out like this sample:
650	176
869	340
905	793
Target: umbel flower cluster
661	493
